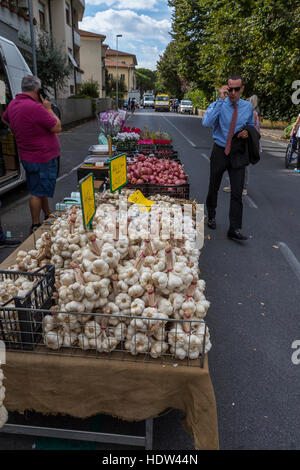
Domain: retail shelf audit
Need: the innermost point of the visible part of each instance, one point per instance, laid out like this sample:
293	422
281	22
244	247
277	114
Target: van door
14	64
12	70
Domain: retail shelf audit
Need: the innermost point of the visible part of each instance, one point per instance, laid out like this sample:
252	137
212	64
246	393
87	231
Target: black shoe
211	223
236	235
9	242
34	227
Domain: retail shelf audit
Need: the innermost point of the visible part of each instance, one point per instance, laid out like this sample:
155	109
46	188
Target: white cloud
126	4
128	23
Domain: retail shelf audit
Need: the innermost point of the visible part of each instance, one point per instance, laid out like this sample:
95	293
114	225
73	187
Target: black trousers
219	163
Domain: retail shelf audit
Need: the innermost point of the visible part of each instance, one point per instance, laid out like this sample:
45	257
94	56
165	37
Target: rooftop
88	34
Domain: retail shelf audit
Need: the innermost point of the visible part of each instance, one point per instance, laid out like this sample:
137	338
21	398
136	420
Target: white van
12	69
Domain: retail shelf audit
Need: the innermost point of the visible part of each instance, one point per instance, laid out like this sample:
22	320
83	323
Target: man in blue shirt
228	116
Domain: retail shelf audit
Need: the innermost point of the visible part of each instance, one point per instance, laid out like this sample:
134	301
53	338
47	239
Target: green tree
110	85
168	79
52	63
258	38
90	88
145	80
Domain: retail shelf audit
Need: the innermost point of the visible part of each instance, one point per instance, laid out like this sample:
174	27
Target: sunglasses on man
236	88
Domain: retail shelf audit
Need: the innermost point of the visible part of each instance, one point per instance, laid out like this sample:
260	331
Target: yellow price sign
87	195
139	198
117	172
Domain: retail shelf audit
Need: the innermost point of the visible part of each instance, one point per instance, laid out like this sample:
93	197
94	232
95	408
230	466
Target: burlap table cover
83	386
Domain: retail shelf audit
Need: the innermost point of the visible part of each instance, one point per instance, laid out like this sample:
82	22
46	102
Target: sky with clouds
144	24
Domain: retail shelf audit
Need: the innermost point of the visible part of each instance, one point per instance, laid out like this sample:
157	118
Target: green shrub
198	98
90	88
288	129
79	96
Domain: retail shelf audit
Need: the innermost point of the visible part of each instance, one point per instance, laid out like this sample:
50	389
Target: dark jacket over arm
245	151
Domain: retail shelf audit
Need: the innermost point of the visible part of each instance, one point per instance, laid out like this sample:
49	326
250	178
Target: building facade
57	17
125	63
92	57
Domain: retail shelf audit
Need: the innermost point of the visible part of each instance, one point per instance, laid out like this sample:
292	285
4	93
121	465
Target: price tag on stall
87	196
117	173
139	198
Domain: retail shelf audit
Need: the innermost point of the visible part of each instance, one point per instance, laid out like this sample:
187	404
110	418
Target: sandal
34	227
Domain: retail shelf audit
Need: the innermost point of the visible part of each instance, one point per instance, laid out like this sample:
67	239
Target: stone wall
73	110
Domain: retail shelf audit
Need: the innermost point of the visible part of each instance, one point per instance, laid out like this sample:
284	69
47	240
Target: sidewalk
273	133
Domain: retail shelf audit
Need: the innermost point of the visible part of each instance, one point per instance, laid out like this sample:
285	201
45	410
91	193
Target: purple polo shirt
31	124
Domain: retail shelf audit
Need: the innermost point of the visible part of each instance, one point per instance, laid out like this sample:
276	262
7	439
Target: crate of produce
180	191
21	329
167	153
129	146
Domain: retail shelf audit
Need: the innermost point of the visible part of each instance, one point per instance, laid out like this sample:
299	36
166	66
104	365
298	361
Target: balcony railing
14	19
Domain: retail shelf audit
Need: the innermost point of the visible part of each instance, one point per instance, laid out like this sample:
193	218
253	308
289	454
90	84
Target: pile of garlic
3	410
123	276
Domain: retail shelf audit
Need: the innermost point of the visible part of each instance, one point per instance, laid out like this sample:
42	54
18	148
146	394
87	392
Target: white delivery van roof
15	64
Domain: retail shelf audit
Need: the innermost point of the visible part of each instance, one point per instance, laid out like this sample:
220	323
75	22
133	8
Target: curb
273	136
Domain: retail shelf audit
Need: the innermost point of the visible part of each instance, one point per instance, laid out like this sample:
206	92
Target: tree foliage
260	39
90	88
145	80
52	64
110	86
168	78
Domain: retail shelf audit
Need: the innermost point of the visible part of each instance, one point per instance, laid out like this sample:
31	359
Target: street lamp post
32	36
117	80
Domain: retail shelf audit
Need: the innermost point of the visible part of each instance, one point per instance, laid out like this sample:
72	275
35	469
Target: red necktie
231	131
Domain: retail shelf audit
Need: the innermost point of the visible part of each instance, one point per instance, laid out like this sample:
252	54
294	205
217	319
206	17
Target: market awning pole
32	36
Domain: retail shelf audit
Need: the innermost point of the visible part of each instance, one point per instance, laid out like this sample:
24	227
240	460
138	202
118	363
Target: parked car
148	101
185	106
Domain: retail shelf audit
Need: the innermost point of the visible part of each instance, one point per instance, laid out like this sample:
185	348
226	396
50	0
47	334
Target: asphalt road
253	289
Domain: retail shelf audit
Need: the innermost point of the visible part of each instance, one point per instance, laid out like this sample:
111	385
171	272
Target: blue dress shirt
219	116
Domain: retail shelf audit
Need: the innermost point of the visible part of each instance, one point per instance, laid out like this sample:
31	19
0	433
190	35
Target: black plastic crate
25	331
122	147
164	146
180	191
170	155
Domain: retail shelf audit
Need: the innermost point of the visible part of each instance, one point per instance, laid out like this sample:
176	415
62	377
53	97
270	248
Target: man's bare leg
45	206
35	204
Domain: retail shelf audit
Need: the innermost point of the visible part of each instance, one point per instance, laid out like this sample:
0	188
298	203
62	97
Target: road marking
290	257
205	156
188	140
250	202
67	174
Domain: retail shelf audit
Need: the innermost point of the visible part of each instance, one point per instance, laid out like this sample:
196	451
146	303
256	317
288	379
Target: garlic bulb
139	343
3	416
53	340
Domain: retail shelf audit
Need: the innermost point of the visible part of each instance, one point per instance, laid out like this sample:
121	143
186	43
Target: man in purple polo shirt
35	126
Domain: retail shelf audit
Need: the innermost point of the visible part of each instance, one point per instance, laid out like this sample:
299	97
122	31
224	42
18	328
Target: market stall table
58	383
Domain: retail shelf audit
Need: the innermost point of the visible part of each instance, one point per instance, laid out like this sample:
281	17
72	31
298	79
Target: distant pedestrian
296	132
176	105
35	126
129	104
233	125
132	105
